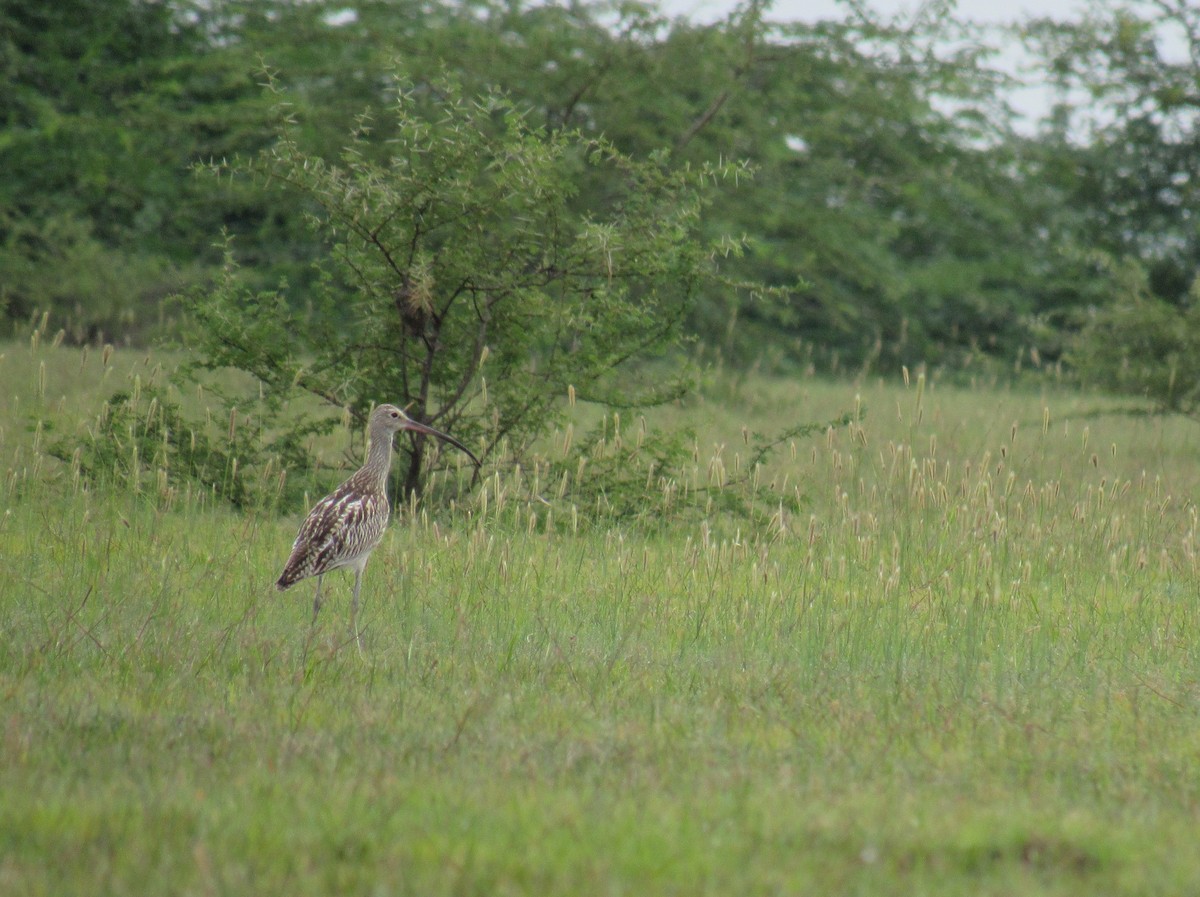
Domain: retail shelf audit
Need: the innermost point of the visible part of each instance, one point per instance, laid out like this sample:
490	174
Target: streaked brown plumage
344	527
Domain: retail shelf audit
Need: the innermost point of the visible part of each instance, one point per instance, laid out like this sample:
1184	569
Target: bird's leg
317	601
354	608
312	627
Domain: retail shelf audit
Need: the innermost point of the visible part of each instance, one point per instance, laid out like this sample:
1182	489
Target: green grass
969	665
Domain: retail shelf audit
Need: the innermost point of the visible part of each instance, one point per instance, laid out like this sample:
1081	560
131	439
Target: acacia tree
461	279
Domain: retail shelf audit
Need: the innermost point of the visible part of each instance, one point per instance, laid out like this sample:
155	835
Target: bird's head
391	419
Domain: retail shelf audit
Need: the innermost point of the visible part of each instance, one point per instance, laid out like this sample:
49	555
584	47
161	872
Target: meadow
969	664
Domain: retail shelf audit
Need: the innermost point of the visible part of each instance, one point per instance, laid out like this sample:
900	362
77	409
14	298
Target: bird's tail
294	570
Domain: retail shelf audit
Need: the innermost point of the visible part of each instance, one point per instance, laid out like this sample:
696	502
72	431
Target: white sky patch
340	17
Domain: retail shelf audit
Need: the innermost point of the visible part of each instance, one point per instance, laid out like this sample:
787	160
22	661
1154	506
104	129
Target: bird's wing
338	528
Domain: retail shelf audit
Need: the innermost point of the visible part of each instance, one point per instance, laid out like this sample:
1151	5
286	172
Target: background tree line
896	207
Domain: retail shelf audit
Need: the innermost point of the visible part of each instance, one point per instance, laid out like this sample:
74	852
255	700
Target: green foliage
142	442
106	105
656	478
1129	155
899	214
463	282
1139	344
903	221
95	292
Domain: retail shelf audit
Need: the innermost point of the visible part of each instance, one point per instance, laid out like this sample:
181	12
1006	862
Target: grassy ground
969	665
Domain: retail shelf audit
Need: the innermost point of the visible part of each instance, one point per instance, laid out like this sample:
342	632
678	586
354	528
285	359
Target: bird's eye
395	414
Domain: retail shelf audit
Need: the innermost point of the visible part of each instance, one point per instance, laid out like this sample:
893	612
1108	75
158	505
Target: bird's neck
379	459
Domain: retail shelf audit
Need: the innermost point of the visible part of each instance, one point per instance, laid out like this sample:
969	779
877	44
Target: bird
344	527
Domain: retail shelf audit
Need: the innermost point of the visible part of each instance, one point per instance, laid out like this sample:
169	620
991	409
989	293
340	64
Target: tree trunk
412	477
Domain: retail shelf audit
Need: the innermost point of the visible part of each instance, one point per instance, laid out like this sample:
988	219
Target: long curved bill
445	437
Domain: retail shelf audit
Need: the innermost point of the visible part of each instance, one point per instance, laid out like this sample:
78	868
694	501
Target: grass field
969	665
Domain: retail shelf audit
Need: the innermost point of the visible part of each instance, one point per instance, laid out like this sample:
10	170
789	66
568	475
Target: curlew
344	527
